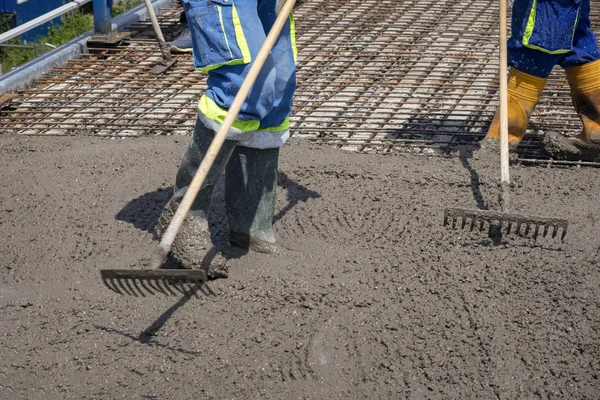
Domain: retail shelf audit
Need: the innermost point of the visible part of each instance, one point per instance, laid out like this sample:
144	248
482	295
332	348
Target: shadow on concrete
143	212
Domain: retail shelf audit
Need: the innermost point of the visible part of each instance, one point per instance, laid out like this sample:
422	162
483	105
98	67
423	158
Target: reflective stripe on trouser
263	119
550	32
247	133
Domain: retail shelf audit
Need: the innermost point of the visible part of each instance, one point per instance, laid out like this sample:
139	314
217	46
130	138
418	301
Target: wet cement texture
370	296
561	148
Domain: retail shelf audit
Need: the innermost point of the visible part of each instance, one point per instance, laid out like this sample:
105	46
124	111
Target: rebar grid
373	75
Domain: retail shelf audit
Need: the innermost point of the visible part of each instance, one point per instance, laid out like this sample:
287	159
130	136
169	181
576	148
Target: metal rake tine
204	290
187	293
133	292
115	284
121	286
167	286
193	289
161	284
454	220
445	219
198	287
546	227
481	224
464	222
110	284
207	290
554	231
518	231
143	284
508	227
179	286
134	283
473	220
154	285
527	229
562	238
537	232
107	284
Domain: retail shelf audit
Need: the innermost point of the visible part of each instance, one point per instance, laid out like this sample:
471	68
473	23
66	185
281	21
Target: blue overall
550	32
227	35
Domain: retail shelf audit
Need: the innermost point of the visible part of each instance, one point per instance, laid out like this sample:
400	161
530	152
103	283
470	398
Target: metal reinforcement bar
417	76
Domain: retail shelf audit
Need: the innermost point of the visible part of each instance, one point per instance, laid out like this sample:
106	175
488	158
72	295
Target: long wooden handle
215	146
166	54
504	173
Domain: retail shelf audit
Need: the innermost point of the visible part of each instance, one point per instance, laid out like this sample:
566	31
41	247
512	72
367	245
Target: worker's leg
541	36
284	54
227	58
524	92
582	66
251	176
250	189
193	239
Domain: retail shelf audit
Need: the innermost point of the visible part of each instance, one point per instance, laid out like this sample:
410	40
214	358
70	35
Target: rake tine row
142	287
168	282
510	223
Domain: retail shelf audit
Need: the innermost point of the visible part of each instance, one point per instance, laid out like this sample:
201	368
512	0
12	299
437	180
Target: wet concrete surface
370	296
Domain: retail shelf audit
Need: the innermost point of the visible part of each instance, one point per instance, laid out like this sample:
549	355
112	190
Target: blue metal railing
102	18
26	74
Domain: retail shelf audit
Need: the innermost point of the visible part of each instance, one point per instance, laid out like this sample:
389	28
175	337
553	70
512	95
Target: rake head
459	218
162	66
170	282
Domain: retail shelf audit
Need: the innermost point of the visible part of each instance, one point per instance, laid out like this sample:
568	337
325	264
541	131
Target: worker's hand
279	4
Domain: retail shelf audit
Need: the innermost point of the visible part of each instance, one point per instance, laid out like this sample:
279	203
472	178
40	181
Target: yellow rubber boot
584	81
524	92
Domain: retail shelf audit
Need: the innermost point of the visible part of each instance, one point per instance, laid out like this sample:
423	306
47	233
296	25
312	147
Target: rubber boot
250	189
524	92
192	243
584	81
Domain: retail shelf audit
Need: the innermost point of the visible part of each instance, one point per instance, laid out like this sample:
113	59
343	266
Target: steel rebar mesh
373	75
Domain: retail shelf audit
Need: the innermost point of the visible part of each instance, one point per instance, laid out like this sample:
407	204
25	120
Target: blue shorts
550	32
227	35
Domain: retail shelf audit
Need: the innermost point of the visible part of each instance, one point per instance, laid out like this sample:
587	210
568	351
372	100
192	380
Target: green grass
72	26
124	5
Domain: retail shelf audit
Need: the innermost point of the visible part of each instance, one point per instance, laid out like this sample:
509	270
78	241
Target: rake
186	281
504	221
167	60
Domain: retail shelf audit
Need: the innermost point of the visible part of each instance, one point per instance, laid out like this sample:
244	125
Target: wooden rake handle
166	54
504	172
186	203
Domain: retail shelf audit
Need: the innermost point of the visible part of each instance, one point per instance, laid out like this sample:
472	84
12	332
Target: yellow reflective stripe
240	37
219	8
575	26
209	108
534	47
215	66
283	127
530	25
293	37
529	31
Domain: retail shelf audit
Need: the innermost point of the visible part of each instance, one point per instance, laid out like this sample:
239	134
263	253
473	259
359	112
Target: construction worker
227	36
546	33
